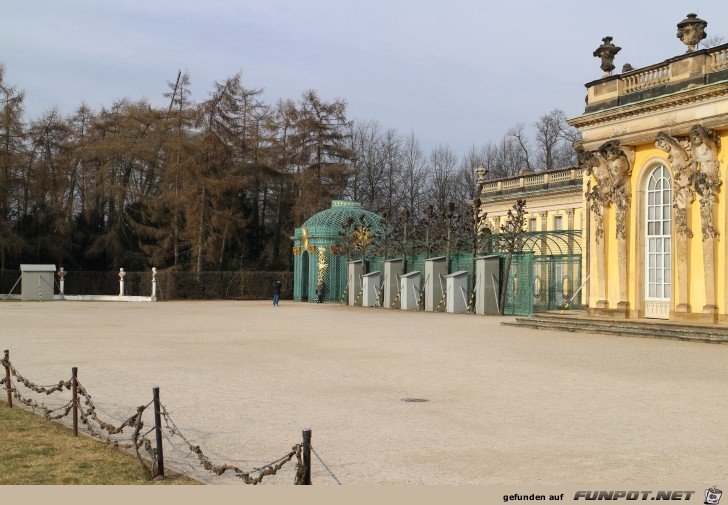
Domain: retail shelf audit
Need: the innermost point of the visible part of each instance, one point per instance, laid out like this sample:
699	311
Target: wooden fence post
307	457
7	379
74	390
158	429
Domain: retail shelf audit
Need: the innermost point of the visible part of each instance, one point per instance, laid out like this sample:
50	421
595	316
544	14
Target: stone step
688	333
642	323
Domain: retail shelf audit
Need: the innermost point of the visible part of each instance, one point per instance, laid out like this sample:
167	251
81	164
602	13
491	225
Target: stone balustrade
718	59
684	72
534	182
511	184
646	79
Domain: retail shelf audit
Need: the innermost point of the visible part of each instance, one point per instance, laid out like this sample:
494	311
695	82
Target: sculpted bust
682	164
705	144
619	166
706	174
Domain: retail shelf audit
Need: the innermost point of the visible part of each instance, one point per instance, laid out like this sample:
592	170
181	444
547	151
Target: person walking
277	285
320	291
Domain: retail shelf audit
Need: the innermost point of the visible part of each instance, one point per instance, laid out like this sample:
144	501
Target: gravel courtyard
505	405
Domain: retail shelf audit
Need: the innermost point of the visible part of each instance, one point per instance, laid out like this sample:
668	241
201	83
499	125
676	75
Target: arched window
658	243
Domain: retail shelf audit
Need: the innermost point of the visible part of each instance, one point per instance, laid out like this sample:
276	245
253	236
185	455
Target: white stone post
154	283
61	280
122	274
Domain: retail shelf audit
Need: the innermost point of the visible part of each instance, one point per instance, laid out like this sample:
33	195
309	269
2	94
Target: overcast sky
453	72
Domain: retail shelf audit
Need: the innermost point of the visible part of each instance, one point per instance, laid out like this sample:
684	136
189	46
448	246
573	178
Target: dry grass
37	451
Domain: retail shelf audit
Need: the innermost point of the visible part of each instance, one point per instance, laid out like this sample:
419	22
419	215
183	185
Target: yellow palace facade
653	153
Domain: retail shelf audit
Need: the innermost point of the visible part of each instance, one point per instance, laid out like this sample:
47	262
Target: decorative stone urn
606	52
691	31
481	172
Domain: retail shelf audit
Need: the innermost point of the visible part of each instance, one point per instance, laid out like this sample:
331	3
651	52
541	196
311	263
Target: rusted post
7	379
74	391
307	457
158	430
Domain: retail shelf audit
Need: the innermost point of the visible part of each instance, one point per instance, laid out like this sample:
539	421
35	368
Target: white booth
37	282
371	283
410	290
435	272
354	271
393	269
487	284
457	292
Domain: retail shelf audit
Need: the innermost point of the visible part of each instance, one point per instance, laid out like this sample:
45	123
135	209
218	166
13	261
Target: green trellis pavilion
316	255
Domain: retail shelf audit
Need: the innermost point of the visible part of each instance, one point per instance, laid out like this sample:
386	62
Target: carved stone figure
705	144
679	155
619	165
691	31
598	196
706	180
706	174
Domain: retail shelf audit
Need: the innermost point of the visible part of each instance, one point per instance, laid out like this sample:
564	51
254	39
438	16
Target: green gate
556	280
519	300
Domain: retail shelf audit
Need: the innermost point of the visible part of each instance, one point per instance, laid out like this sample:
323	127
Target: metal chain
90	412
49	389
143	442
269	469
325	466
100	409
29	402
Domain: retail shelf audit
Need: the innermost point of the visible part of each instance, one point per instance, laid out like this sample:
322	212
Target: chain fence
127	431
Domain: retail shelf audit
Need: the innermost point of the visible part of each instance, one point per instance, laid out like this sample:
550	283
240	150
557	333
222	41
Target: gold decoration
311	249
304	238
323	265
362	237
296	250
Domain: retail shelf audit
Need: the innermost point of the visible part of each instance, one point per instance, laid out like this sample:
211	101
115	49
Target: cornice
546	193
675	100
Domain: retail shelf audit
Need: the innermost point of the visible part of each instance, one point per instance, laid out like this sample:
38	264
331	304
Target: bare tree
442	178
712	41
554	139
518	133
510	241
392	160
368	162
504	159
413	177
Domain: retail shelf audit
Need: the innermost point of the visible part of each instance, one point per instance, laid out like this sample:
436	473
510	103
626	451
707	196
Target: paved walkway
505	405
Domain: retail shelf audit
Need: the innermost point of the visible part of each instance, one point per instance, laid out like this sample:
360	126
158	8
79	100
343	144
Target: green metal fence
544	276
556	280
519	298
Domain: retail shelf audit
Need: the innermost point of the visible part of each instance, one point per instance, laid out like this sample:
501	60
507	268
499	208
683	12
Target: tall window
558	223
532	224
659	206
